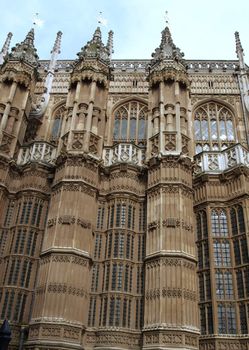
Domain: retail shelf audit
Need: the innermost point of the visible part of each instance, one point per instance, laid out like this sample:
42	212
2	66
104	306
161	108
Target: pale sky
202	29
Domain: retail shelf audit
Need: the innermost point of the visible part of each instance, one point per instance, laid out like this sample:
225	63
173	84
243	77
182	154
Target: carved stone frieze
114	337
61	258
74	187
63	288
167	292
71	333
51	331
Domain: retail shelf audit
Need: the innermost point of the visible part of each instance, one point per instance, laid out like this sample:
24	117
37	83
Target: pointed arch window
214	127
130	123
237	220
57	122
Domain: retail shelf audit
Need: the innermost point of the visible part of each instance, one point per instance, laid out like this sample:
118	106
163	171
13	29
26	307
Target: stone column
7	109
171	300
90	114
61	306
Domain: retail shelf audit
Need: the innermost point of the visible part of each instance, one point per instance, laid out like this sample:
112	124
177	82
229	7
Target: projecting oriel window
214	127
130	121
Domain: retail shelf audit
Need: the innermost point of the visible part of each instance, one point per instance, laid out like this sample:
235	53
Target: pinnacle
25	50
97	34
238	42
57	44
29	40
167	49
7	43
109	44
5	48
96	49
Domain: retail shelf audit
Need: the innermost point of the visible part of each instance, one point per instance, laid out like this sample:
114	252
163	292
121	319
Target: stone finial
109	44
95	48
25	51
239	51
5	48
167	49
57	43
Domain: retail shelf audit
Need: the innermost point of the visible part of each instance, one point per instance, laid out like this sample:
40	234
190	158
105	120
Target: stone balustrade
41	152
216	162
123	153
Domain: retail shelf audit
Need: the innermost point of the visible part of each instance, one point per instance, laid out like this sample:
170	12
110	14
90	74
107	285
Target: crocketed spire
167	49
42	104
109	44
239	50
25	51
95	48
5	47
57	43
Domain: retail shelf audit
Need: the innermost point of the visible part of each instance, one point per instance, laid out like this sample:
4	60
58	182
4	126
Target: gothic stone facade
124	199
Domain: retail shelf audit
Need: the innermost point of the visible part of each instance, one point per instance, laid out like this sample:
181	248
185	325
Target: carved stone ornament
83	223
66	220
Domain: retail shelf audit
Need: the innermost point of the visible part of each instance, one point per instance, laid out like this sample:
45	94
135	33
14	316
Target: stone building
124	199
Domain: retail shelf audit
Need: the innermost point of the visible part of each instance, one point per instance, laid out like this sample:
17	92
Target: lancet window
57	122
243	318
9	213
130	122
206	319
214	127
237	220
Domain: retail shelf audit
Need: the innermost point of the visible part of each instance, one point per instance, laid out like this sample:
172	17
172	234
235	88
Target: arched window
214	127
219	223
2	108
237	220
201	225
57	122
130	123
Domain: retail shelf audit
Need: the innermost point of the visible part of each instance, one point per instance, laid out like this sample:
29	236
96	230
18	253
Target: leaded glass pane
204	129
214	134
197	124
198	149
141	129
223	135
241	219
230	131
133	128
116	129
124	129
56	128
